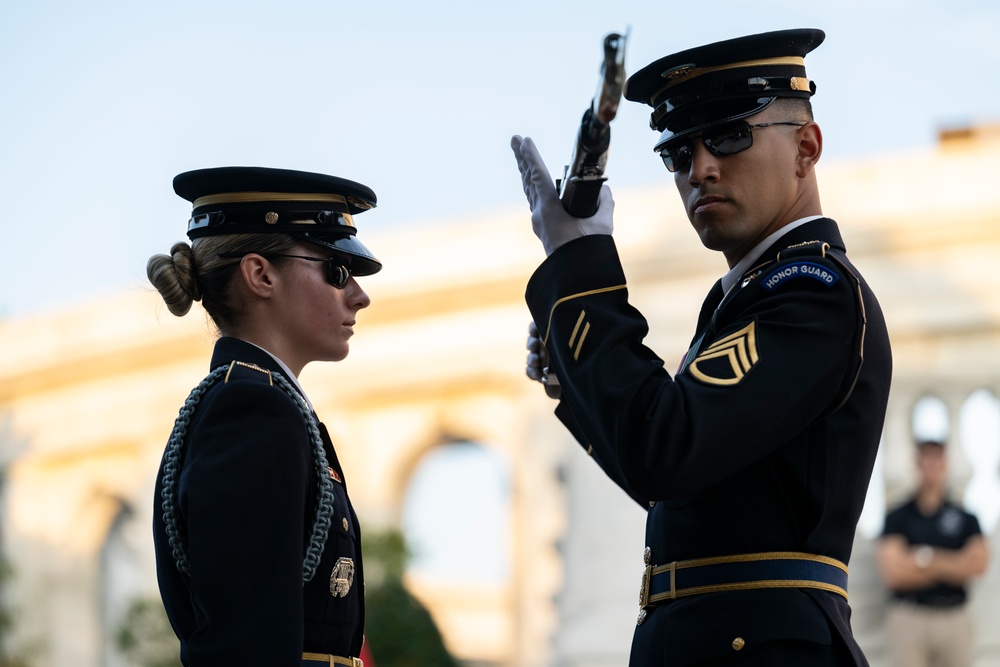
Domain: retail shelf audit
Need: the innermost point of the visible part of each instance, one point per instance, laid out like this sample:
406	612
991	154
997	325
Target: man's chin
712	240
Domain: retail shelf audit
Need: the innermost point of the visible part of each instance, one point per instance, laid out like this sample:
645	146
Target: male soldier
929	552
754	457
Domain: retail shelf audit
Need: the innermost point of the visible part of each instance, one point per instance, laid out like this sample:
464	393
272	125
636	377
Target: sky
102	103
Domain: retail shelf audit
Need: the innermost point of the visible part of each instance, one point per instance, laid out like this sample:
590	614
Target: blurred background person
929	552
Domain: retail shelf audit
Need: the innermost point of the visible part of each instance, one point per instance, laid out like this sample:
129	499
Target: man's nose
704	165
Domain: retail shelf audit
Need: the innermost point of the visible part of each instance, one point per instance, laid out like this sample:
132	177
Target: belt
774	569
940	602
316	659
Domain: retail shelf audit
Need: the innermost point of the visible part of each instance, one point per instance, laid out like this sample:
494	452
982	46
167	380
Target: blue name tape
800	270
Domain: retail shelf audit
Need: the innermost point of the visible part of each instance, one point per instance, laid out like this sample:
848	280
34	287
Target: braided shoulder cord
324	485
171	475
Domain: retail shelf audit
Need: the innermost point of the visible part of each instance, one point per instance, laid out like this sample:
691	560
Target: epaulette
241	370
799	261
806	248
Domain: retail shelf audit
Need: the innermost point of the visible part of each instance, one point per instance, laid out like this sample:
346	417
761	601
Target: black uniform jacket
746	448
246	498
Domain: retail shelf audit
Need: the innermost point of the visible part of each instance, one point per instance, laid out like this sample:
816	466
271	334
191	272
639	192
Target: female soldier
257	546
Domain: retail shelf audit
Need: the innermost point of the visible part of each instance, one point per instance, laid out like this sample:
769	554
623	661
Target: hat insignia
678	72
342	577
358	203
271	217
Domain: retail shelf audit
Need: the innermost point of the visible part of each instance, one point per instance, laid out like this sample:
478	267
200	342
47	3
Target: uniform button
647	556
345	525
652	503
738	644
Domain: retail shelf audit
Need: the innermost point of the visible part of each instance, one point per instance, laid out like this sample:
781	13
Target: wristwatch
923	556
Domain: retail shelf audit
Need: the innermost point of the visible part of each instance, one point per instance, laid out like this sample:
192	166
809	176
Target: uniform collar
228	349
750	259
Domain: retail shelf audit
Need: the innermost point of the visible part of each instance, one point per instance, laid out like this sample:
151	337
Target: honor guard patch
727	360
787	272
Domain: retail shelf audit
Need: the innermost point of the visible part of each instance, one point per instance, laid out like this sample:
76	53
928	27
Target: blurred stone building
525	554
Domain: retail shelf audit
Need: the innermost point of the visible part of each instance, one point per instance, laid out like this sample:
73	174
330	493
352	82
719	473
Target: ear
810	148
259	275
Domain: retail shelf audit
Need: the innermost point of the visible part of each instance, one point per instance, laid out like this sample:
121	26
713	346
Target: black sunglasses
725	140
337	273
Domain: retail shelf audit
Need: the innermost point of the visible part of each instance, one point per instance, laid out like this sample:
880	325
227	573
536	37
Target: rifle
580	187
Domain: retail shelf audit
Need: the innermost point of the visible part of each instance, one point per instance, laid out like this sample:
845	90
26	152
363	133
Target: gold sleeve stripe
576	329
548	326
579	345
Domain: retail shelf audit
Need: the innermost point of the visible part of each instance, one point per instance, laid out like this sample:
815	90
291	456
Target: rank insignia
579	334
727	360
342	577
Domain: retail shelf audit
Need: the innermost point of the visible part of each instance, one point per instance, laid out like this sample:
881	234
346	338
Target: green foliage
145	637
8	657
400	631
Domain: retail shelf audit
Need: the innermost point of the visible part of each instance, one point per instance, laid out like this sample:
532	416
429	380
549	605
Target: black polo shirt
948	528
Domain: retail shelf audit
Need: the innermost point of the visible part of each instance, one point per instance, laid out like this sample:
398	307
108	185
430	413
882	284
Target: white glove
550	221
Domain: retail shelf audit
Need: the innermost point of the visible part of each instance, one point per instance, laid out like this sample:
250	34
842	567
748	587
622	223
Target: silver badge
342	577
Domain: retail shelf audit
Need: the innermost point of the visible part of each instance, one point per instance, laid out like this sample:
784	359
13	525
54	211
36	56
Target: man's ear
810	148
258	275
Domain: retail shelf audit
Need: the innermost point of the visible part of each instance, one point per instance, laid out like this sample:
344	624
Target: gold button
738	644
345	523
647	556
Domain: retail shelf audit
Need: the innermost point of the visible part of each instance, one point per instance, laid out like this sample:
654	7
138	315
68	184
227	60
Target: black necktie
711	303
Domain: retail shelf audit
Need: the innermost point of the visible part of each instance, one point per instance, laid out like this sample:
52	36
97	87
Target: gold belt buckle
647	575
333	660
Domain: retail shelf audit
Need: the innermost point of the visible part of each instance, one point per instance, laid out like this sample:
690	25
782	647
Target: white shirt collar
745	264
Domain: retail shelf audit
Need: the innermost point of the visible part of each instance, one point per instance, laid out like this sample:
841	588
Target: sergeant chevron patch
727	360
579	334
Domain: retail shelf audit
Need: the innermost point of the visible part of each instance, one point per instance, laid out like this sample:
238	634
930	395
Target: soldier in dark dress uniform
257	546
753	457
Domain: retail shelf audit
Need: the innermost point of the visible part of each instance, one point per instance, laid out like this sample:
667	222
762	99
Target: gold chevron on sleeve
565	299
727	360
580	332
